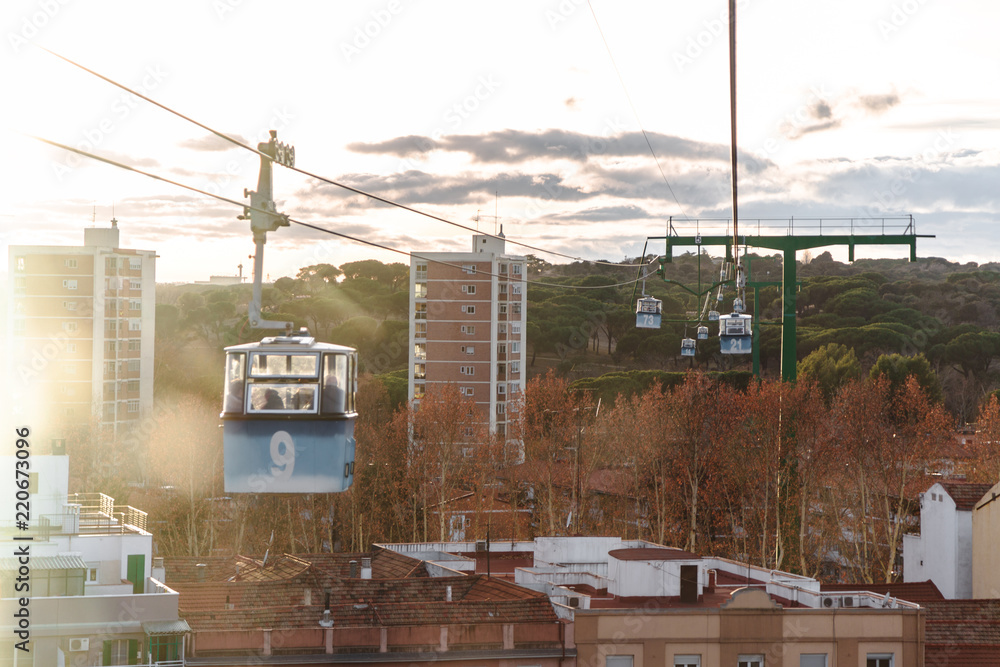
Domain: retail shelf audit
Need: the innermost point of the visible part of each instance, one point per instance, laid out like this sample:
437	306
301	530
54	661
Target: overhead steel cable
324	179
244	206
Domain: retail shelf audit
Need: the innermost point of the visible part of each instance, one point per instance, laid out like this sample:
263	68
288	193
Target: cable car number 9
282	455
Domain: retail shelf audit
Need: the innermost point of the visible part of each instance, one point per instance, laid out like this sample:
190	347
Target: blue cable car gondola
703	333
288	416
735	334
648	312
688	347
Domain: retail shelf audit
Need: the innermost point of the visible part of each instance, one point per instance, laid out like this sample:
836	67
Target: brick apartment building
467	326
80	328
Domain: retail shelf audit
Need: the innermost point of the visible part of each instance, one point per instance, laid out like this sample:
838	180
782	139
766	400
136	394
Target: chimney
327	620
354	569
200	569
689	584
229	605
308	599
366	568
447	593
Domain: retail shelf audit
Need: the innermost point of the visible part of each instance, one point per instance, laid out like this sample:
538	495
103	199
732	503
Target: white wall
943	551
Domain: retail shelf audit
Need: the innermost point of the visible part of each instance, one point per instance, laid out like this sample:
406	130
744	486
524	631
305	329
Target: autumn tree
886	439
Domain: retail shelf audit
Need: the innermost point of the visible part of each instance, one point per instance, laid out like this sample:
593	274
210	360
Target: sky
516	111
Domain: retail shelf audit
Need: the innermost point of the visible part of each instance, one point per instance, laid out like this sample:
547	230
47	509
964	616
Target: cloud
519	147
878	103
212	143
822	114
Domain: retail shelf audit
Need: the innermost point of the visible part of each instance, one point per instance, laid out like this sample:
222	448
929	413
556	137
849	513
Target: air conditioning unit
79	644
829	602
847	601
481	545
574	602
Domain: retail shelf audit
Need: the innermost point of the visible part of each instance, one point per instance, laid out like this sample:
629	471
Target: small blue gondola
288	416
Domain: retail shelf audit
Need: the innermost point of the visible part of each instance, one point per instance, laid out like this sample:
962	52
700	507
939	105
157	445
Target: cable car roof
297	342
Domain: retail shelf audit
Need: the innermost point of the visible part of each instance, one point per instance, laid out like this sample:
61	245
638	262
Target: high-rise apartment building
467	326
81	327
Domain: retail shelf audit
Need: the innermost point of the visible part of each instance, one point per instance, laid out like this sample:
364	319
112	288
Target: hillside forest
621	435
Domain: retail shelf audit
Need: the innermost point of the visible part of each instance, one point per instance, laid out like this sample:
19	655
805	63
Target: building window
618	661
420	329
20	263
134	263
419	371
812	660
420	290
687	661
515	269
69	326
469	329
467	370
135	324
421	268
503	288
133	386
468	289
112	325
418	391
879	660
502	309
91	575
501	389
135	284
69	369
501	408
503	268
750	661
469	268
135	304
420	350
517	309
469	310
70	263
515	347
469	349
515	328
69	305
420	311
133	365
467	391
133	405
516	288
502	328
69	284
502	348
134	345
515	367
71	347
515	387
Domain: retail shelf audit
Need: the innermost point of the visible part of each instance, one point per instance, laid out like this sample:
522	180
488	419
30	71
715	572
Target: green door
136	572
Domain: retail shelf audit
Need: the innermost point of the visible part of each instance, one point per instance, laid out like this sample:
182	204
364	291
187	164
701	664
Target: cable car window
235	382
266	397
335	383
284	365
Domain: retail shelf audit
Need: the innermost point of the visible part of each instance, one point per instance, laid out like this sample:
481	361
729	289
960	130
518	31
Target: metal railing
903	224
